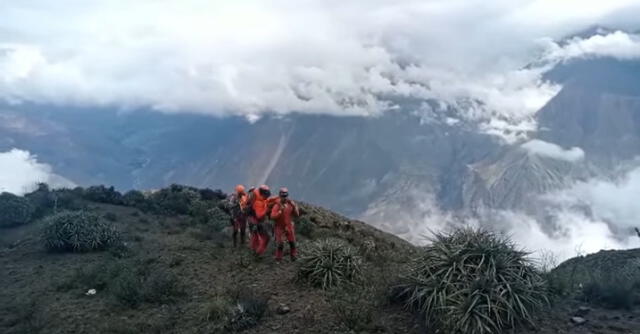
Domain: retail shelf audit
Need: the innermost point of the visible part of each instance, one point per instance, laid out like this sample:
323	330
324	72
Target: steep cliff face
598	109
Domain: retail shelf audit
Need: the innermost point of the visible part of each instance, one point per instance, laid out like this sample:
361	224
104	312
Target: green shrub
68	199
218	311
102	194
110	216
131	285
473	281
97	276
161	286
218	219
78	231
15	210
211	195
305	227
329	263
46	200
354	307
134	198
199	210
247	310
42	200
127	288
173	200
239	310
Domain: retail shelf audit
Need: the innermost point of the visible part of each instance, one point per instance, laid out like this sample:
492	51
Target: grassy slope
45	293
42	291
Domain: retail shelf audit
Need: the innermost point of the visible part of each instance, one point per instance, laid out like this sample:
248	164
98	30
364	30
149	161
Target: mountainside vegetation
93	260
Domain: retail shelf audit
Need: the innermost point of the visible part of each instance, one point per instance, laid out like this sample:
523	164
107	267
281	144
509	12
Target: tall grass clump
329	263
473	282
78	231
247	310
15	210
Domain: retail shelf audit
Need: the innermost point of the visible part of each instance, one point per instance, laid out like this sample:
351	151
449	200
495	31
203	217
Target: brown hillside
45	292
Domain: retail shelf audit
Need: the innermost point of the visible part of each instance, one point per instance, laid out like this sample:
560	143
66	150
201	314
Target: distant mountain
513	180
598	109
354	165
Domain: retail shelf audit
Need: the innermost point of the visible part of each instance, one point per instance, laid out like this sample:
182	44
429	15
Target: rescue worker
237	209
283	212
258	209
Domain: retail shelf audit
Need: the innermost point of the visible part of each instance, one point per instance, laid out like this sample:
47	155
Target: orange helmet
239	188
284	192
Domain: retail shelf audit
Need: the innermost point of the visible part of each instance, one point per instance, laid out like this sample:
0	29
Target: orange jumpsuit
259	206
282	214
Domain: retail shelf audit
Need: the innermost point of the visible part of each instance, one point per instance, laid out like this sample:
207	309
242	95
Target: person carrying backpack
237	208
283	212
257	210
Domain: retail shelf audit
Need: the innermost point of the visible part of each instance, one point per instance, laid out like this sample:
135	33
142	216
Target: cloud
414	216
618	44
573	235
250	57
611	201
585	218
21	171
551	150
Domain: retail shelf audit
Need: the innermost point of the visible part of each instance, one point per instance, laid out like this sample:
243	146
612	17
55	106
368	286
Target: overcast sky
329	56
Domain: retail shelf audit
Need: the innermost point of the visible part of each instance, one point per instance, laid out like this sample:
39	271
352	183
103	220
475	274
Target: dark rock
578	320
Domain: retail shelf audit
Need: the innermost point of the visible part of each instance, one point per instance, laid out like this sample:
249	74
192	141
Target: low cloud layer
616	44
614	202
585	218
21	171
551	150
342	58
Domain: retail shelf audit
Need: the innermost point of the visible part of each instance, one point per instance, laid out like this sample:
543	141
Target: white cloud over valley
247	57
585	218
21	171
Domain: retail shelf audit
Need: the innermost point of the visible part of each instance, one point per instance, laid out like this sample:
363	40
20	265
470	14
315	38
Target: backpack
236	205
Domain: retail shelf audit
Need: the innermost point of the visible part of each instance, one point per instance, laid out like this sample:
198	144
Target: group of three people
256	207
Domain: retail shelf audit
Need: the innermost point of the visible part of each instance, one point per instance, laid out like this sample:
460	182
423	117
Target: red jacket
283	214
259	204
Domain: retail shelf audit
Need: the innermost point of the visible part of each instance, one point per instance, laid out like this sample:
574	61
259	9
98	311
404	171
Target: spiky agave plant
473	282
78	231
329	263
